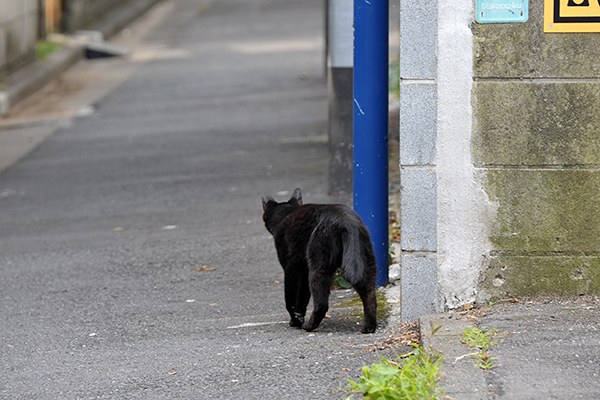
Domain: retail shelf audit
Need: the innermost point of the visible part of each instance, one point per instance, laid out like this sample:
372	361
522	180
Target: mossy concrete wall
536	141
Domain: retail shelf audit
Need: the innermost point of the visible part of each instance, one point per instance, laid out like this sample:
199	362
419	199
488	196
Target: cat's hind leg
320	286
368	296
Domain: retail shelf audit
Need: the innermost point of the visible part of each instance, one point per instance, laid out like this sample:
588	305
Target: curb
462	379
33	77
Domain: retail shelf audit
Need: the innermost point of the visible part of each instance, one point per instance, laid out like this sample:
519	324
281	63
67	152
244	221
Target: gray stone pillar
340	45
418	131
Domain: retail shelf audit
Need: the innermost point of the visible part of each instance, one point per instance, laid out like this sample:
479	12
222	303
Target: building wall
499	158
20	20
465	211
18	33
443	207
83	14
107	16
537	139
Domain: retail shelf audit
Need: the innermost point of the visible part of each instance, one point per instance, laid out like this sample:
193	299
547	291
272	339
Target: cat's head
274	212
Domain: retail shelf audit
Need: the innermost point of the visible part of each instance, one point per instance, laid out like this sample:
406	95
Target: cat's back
304	217
311	215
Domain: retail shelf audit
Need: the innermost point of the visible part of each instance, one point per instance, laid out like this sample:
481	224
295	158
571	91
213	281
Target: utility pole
371	124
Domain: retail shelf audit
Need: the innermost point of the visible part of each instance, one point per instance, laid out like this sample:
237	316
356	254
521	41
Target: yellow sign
571	15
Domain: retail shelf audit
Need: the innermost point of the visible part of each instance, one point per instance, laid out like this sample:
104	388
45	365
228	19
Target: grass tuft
413	376
44	48
477	338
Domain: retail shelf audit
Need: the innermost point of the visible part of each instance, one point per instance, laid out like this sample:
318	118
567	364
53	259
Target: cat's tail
358	260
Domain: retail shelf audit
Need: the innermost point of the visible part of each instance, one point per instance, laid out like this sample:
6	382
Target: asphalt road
133	259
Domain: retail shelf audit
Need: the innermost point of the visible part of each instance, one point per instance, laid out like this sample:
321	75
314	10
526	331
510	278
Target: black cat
312	242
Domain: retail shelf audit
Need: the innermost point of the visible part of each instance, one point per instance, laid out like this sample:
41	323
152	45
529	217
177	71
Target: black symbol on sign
583	3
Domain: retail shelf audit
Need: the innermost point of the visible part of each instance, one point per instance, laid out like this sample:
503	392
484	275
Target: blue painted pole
370	170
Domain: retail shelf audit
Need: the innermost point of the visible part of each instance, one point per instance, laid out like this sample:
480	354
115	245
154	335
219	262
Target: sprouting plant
435	327
409	377
391	255
44	48
481	340
339	282
485	360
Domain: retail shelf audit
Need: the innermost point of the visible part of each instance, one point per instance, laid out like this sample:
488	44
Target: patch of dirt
48	101
406	334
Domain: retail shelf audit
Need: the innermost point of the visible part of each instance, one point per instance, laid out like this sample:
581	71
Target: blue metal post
371	124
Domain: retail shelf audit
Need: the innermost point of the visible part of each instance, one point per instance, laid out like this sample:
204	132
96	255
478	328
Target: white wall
18	30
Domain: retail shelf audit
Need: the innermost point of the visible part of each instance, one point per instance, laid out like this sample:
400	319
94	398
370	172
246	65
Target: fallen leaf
406	334
172	373
204	268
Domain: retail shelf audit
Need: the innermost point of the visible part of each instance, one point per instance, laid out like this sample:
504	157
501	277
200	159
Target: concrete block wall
418	132
537	139
18	33
444	210
499	158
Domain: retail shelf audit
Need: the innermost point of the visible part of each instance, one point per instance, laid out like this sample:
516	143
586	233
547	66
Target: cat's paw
309	327
368	328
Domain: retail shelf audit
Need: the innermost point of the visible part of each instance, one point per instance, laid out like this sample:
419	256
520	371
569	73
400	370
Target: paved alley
134	263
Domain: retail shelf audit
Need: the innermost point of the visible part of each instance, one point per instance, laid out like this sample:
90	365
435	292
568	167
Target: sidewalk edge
462	379
35	76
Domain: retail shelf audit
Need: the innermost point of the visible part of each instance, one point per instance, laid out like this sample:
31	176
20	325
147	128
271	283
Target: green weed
44	48
391	255
481	340
413	376
339	282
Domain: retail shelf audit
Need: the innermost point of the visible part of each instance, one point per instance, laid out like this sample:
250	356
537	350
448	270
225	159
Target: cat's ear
297	195
265	200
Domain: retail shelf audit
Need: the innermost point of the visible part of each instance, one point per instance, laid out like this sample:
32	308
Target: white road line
251	324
